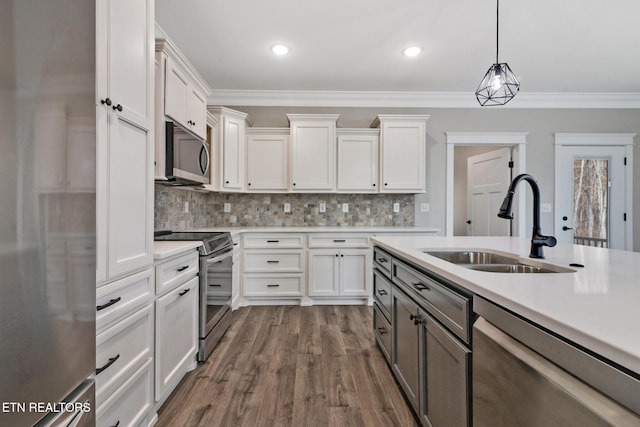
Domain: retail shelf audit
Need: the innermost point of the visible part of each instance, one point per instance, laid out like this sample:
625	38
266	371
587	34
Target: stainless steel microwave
187	159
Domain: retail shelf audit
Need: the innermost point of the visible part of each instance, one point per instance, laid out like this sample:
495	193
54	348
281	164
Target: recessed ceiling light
412	51
280	49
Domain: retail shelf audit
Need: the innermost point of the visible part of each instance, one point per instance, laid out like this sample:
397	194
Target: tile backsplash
183	208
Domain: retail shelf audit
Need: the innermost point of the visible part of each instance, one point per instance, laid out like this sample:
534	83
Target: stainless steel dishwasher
518	385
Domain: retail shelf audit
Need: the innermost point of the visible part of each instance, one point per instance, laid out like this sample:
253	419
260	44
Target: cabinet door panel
355	272
176	334
323	273
405	347
131	36
267	162
233	149
175	98
445	392
197	112
313	161
403	156
358	163
130	196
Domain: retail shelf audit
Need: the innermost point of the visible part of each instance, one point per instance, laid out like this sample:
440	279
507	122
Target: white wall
541	124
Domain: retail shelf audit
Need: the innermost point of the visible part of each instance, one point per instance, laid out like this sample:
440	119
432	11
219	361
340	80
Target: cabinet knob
468	221
294	184
374	185
248	184
117	107
106	101
226	182
385	184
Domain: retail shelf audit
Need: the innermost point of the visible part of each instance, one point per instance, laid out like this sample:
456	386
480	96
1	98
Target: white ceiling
553	46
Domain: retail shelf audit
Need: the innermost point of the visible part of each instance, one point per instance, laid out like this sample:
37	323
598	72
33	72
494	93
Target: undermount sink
484	260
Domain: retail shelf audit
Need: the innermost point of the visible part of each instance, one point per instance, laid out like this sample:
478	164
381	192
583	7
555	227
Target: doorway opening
480	142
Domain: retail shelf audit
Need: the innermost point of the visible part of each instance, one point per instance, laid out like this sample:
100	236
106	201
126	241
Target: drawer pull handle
272	261
382	260
382	292
183	268
275	285
420	286
273	241
216	285
116	424
184	292
339	240
416	319
110	362
382	330
109	304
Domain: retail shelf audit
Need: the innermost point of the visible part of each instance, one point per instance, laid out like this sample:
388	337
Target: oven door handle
219	258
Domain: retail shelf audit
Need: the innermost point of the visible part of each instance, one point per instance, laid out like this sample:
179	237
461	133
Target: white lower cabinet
176	335
343	273
129	405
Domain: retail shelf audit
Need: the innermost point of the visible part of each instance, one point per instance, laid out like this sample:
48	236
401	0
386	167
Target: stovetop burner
212	242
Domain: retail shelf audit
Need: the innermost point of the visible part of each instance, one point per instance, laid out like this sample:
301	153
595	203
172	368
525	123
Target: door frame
603	140
516	140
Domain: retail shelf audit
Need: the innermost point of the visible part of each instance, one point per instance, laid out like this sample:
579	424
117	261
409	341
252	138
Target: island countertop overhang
596	306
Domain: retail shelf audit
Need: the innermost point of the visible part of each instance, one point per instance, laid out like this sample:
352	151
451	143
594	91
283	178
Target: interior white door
590	196
488	177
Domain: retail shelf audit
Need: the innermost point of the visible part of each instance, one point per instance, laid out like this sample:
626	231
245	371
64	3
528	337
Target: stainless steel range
215	284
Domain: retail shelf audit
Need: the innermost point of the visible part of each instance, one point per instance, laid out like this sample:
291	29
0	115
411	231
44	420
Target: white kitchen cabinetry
402	153
183	101
228	149
124	80
313	152
358	160
177	287
339	266
267	159
273	266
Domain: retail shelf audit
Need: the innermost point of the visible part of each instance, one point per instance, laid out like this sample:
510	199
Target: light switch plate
396	207
287	207
322	207
345	207
425	207
227	207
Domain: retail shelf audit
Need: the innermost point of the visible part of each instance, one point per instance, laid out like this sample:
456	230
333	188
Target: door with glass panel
590	196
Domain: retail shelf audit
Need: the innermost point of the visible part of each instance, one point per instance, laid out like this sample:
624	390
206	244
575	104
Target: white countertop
167	249
596	307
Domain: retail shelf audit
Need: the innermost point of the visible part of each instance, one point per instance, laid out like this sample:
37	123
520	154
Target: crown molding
300	98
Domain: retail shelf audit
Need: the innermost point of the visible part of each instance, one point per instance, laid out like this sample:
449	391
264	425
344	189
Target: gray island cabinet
483	348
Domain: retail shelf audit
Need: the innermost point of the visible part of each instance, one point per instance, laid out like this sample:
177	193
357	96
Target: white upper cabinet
124	135
228	148
268	159
313	152
403	153
358	160
183	102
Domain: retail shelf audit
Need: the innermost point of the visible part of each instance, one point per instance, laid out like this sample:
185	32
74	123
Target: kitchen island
591	305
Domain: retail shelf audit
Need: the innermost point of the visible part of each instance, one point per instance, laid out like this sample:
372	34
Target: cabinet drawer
176	271
117	299
338	241
273	241
121	349
382	261
449	307
128	405
382	331
382	293
271	261
272	286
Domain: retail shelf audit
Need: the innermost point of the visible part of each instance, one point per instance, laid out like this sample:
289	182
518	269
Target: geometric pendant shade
498	86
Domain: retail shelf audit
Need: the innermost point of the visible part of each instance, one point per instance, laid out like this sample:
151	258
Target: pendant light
499	85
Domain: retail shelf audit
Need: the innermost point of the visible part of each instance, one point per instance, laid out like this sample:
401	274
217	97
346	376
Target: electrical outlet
396	207
287	207
227	207
546	207
186	207
345	207
322	207
424	207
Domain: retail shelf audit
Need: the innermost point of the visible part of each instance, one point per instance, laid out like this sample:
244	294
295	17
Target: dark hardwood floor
292	366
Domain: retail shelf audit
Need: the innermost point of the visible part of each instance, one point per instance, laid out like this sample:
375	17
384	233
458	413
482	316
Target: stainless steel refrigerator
47	212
